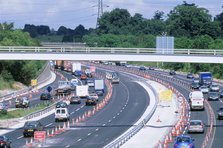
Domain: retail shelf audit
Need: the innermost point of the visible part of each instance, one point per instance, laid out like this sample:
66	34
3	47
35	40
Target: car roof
188	136
196	121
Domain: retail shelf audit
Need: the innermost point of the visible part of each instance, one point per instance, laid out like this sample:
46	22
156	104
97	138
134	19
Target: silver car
196	126
204	89
214	87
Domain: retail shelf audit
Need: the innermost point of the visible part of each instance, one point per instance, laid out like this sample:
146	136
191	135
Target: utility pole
100	11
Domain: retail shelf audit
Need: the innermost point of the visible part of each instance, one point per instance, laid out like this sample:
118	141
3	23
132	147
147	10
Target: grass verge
23	112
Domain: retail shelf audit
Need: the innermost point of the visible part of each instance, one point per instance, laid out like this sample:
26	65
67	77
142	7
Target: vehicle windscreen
183	139
195	123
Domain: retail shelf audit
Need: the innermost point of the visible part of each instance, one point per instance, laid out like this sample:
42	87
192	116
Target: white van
196	100
62	114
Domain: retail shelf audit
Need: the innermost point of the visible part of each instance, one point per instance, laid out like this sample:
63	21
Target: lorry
67	66
205	78
196	100
99	84
82	91
58	64
64	88
76	69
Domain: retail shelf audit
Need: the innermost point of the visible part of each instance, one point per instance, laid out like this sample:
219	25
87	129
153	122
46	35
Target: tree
188	20
62	30
158	15
31	29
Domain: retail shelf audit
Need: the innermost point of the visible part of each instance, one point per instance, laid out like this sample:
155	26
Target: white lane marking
79	140
82	106
123	108
96	129
67	146
20	137
114	117
89	134
71	113
109	121
118	114
48	124
77	109
120	111
103	124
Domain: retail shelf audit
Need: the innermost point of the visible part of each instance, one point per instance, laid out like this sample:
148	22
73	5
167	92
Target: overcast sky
71	13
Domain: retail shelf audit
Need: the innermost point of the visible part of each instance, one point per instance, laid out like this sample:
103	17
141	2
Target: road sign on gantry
40	135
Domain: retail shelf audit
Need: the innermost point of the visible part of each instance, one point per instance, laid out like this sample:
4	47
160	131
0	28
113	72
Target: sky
71	13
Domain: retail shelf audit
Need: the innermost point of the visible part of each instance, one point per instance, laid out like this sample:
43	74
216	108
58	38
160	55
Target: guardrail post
214	52
112	50
137	51
188	51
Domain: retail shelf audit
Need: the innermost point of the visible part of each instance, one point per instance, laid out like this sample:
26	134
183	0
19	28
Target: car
99	92
75	100
184	141
190	76
90	83
45	96
90	101
108	75
74	81
77	73
93	95
61	104
115	80
172	72
195	85
83	76
196	126
214	96
204	89
220	113
195	80
62	114
221	94
31	126
151	68
214	87
5	141
22	102
3	107
142	68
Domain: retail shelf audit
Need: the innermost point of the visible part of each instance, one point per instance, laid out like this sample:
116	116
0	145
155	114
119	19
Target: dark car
214	96
195	85
83	76
22	102
78	73
172	72
5	142
184	141
3	107
190	76
99	92
220	113
91	101
195	80
30	127
221	94
143	68
151	68
45	96
61	104
75	100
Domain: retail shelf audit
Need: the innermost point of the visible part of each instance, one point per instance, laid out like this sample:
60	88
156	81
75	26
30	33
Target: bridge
111	54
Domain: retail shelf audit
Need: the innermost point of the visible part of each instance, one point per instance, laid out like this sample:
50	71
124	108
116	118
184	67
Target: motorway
202	115
125	107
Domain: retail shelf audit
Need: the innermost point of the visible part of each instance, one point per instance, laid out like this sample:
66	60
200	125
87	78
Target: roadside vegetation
21	71
17	113
191	25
